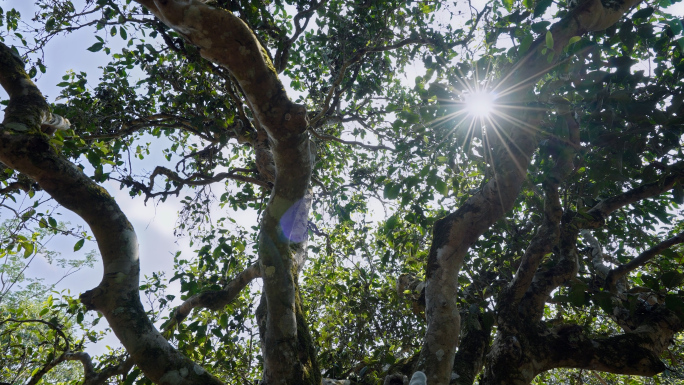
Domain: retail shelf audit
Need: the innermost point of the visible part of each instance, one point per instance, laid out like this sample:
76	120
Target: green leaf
574	39
130	379
96	47
79	244
672	279
577	294
540	27
549	40
676	26
442	187
541	7
508	4
122	33
678	193
525	43
651	282
28	249
643	13
391	223
392	190
604	300
675	303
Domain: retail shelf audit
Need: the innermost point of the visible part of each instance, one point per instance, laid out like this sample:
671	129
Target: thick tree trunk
470	358
282	249
226	40
453	236
513	145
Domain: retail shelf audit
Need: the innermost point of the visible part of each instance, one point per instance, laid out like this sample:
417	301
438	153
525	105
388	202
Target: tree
36	330
543	236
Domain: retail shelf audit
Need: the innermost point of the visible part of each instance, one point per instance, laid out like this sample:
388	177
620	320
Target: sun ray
499	131
520	123
451	116
480	104
483	105
522	84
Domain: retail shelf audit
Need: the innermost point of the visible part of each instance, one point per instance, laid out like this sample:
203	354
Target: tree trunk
220	35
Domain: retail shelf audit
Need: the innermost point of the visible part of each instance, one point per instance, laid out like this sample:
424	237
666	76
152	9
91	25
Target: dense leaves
395	149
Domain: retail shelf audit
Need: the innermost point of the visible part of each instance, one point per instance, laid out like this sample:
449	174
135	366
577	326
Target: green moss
267	60
310	372
99	191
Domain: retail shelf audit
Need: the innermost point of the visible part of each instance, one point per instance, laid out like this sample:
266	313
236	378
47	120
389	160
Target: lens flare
480	104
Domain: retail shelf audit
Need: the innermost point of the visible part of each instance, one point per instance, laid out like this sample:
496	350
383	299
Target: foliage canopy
361	223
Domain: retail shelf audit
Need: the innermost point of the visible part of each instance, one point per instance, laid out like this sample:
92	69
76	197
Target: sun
480	104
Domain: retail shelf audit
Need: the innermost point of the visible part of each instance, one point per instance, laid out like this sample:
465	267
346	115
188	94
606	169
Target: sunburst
480	104
483	108
486	111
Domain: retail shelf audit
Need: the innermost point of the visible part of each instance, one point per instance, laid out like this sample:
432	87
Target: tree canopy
468	192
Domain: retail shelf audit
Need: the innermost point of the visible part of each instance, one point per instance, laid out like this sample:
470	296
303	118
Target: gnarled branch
215	299
642	259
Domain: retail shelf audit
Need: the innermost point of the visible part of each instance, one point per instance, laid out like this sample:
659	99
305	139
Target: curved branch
14	186
52	326
101	377
283	54
198	179
548	234
164	121
24	148
546	281
215	299
596	253
91	376
541	244
642	259
352	142
607	206
634	353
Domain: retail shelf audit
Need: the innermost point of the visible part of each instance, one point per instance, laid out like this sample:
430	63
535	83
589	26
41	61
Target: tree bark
226	40
25	148
522	350
470	358
453	236
512	149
